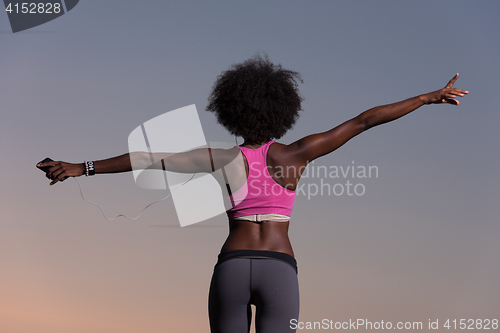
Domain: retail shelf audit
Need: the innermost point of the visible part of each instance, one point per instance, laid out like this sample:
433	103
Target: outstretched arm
313	146
60	169
197	160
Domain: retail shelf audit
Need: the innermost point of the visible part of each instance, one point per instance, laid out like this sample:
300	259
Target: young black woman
258	101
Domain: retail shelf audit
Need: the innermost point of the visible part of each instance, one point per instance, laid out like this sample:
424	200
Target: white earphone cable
130	218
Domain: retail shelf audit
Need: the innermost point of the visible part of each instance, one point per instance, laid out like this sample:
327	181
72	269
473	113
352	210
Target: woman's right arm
313	146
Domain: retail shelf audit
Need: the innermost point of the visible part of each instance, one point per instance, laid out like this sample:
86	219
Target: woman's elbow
140	160
364	122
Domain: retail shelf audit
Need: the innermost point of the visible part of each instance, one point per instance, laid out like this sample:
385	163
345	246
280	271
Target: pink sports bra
260	194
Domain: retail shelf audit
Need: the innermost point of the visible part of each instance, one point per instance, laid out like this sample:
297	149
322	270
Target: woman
258	101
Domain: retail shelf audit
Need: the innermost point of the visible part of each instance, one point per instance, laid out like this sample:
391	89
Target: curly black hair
256	100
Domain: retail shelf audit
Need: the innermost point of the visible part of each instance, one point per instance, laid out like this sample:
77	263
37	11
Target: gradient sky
420	244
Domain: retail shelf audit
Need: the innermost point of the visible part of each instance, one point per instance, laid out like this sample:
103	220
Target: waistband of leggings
227	255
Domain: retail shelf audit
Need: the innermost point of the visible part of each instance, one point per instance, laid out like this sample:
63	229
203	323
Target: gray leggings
253	277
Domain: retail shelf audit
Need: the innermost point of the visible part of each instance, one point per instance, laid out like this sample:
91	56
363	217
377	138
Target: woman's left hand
445	95
59	169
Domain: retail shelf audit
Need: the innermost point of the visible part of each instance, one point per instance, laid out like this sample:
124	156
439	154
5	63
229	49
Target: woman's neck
247	144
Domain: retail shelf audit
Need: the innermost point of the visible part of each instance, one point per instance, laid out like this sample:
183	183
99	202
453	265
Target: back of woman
259	102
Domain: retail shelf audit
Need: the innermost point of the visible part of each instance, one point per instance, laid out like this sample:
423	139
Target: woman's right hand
445	95
59	169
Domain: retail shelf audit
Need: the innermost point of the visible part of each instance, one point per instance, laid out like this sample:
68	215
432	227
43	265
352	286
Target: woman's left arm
194	161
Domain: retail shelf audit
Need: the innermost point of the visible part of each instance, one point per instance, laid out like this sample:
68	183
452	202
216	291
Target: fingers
446	94
452	81
55	172
58	175
54	169
450	101
450	96
62	170
457	91
55	181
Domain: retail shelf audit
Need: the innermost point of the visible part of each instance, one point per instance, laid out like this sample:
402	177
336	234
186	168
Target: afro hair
256	100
